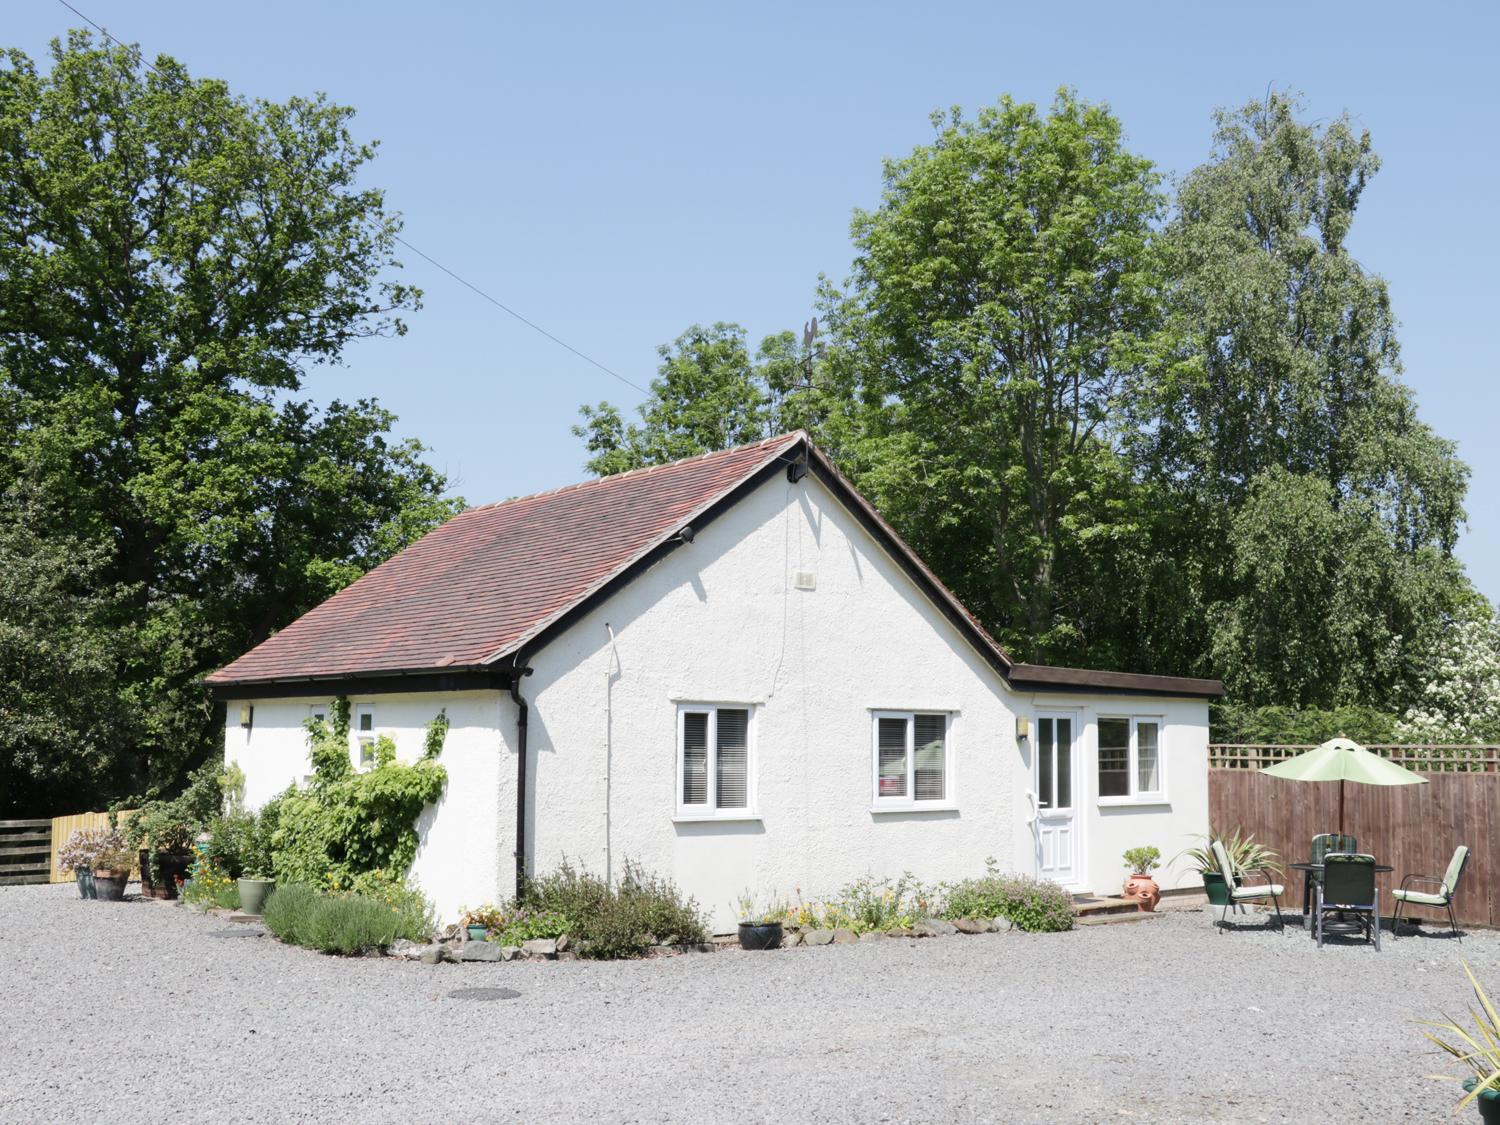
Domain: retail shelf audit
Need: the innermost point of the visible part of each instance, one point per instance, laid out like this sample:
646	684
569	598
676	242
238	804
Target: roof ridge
641	471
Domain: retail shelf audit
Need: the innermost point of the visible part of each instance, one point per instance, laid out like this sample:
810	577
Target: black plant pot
85	879
145	866
760	935
109	886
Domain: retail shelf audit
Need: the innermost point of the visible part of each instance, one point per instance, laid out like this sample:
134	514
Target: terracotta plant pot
109	886
1144	890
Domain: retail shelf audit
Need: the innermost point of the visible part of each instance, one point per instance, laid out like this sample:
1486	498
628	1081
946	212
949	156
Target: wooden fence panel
64	826
25	846
1414	828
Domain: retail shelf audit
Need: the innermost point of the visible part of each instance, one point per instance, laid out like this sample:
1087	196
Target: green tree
1004	296
60	709
172	259
709	394
1323	510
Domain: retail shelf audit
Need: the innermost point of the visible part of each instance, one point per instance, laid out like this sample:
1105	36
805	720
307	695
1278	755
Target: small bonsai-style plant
1478	1050
84	848
1143	860
1244	853
490	916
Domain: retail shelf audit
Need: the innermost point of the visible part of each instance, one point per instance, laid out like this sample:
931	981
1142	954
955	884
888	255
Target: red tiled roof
478	587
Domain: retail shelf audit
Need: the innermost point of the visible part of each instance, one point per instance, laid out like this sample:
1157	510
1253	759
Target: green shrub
1032	905
347	823
869	904
620	921
287	913
347	922
526	927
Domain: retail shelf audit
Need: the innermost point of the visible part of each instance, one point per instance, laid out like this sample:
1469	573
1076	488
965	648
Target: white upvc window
912	753
364	736
715	762
1132	768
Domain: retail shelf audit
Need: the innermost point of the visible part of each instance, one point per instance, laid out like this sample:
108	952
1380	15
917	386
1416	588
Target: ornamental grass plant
347	922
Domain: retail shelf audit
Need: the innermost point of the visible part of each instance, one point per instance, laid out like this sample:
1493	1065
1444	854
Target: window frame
709	810
357	735
909	802
1135	795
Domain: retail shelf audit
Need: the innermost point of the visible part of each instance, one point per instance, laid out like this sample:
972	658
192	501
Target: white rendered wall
1107	829
464	849
719	621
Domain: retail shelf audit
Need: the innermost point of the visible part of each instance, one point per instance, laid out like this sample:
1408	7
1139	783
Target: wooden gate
25	850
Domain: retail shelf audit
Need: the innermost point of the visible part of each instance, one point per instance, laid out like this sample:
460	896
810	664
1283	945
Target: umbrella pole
1341	806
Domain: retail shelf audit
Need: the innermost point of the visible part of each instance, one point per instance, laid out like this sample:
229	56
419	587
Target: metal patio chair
1240	891
1324	844
1348	889
1447	887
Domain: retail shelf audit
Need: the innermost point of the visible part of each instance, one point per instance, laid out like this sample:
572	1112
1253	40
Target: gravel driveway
146	1012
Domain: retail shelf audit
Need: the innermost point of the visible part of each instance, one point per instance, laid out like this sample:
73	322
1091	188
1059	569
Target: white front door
1057	856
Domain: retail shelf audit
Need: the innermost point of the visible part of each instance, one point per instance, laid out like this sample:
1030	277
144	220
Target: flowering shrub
1461	686
490	916
84	848
209	883
864	905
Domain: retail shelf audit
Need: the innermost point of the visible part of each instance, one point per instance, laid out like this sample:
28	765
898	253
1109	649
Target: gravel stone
933	927
844	937
872	935
479	951
791	938
509	952
1033	1028
818	937
542	947
969	926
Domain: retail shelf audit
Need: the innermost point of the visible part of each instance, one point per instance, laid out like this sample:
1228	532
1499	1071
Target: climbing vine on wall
348	826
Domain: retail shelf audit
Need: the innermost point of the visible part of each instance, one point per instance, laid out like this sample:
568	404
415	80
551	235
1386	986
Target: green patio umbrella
1341	760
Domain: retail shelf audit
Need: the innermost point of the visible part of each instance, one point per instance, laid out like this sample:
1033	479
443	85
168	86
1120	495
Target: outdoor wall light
1023	728
247	716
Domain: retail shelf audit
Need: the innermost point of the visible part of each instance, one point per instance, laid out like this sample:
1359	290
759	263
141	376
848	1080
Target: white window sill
1132	802
721	818
922	806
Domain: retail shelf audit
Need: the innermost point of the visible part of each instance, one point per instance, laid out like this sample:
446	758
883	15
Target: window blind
695	758
732	760
930	767
890	745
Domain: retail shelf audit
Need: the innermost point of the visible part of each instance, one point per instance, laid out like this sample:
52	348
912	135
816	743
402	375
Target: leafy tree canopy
173	258
1128	430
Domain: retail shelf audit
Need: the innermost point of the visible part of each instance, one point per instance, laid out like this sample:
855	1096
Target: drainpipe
521	713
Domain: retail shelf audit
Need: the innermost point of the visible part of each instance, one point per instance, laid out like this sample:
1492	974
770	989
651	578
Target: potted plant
80	854
255	881
1139	885
1479	1052
1244	855
111	873
482	921
168	830
760	926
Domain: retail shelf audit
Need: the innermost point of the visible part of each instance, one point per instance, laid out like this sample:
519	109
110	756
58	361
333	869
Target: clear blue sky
617	174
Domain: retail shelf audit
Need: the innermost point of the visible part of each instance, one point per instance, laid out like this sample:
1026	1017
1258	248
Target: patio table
1307	870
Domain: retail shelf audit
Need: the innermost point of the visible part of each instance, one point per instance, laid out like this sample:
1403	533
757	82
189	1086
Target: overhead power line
465	282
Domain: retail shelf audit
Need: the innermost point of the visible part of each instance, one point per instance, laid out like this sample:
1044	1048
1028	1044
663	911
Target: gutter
518	670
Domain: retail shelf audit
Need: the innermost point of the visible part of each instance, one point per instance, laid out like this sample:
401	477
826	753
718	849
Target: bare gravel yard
147	1012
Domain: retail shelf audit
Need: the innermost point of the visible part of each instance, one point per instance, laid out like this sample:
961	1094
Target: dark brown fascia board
1045	677
364	683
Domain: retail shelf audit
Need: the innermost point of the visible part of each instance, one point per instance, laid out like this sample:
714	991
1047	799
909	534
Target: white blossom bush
1460	699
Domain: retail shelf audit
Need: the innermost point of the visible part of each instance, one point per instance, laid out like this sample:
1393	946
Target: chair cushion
1421	898
1257	890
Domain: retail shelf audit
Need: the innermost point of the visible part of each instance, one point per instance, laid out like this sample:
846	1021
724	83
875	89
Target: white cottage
732	670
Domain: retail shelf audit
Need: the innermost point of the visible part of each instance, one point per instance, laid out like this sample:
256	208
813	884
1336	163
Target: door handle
1035	808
